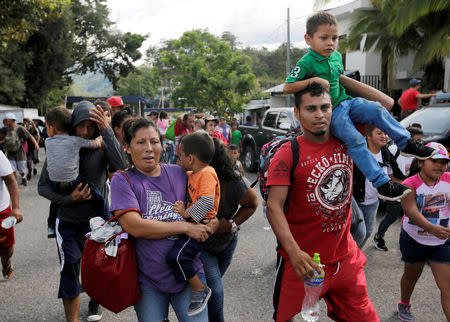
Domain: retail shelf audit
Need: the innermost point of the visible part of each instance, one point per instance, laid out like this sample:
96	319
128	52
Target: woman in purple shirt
153	190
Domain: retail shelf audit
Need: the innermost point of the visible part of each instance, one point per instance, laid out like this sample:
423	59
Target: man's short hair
186	116
104	105
248	118
60	118
199	144
319	19
314	89
233	147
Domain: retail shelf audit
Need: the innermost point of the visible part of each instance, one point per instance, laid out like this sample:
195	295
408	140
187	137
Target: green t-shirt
237	135
315	65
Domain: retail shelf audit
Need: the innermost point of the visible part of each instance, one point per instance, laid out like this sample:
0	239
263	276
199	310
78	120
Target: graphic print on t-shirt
329	190
430	206
158	209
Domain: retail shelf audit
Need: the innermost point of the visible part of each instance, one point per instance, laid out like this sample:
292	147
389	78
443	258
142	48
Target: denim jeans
215	267
365	227
359	110
154	305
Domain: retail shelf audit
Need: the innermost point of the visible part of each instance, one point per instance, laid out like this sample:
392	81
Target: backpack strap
295	156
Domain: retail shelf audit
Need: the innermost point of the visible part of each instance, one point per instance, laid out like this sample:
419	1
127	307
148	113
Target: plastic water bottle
313	288
9	222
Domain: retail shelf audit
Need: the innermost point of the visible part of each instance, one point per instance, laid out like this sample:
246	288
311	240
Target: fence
372	80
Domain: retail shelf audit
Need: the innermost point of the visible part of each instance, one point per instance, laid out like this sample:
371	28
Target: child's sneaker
392	191
416	149
199	300
404	312
379	243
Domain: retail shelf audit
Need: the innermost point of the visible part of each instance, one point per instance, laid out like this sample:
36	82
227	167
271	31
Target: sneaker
392	191
416	149
404	312
379	243
94	311
29	176
51	233
199	300
34	171
24	182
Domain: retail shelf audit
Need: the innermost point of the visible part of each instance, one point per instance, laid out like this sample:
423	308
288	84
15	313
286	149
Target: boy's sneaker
416	149
392	191
51	233
379	243
34	171
29	176
24	182
199	300
404	312
94	311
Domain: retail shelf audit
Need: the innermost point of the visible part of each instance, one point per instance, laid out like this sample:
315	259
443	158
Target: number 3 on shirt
295	72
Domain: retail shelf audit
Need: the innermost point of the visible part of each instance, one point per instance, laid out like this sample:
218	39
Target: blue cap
413	82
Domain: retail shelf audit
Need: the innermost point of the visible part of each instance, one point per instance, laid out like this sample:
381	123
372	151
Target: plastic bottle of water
9	222
313	288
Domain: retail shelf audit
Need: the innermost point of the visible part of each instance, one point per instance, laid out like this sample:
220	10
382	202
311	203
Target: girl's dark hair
415	167
119	117
414	130
162	115
222	163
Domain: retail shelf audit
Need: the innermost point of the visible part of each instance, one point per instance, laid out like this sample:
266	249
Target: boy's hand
178	207
17	213
321	81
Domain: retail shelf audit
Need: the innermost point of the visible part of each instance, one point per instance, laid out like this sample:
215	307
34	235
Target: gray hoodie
94	167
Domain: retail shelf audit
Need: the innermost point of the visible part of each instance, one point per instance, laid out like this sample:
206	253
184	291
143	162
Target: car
434	119
276	121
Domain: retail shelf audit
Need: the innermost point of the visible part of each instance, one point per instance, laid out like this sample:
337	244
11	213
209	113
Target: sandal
9	272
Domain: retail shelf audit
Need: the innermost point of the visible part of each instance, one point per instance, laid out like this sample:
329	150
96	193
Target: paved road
31	294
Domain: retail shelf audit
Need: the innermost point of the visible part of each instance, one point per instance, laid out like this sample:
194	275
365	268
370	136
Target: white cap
10	116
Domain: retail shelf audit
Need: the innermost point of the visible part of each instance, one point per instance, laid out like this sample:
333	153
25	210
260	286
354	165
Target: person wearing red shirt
317	217
410	97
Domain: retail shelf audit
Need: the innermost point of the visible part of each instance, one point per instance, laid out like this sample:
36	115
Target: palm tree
374	24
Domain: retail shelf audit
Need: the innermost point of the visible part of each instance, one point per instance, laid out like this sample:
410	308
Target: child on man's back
195	152
323	64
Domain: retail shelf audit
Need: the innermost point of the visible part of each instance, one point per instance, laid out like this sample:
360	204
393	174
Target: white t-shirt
371	195
404	163
5	169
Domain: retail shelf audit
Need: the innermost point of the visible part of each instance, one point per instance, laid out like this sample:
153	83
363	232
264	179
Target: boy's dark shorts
415	253
6	235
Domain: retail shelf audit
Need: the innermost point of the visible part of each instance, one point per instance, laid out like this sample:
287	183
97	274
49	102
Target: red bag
111	281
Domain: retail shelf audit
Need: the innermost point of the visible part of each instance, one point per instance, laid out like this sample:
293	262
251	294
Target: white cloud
254	22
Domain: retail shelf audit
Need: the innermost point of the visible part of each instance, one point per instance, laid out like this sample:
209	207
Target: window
284	118
270	119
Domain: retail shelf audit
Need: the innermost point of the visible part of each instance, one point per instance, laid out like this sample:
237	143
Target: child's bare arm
291	88
99	141
368	92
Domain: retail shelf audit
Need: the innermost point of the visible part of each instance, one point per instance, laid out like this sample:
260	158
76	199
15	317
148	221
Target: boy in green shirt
323	64
236	135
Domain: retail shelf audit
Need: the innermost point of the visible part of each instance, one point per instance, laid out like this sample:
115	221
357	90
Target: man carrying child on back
195	152
323	64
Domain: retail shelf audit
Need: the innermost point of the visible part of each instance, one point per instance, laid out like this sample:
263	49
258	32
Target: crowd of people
180	189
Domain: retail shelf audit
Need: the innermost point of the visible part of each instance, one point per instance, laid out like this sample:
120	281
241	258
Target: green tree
205	72
144	81
374	24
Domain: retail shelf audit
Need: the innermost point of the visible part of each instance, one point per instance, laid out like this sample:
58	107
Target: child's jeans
359	110
100	203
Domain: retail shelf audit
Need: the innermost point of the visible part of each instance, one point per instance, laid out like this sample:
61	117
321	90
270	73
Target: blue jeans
359	110
365	227
215	267
154	304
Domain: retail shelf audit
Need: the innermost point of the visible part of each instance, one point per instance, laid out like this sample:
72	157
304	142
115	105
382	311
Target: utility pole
288	58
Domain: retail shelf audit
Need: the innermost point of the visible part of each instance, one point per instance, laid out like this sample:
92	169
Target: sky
255	23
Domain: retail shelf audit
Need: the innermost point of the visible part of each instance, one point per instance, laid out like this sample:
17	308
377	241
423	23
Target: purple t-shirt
154	196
